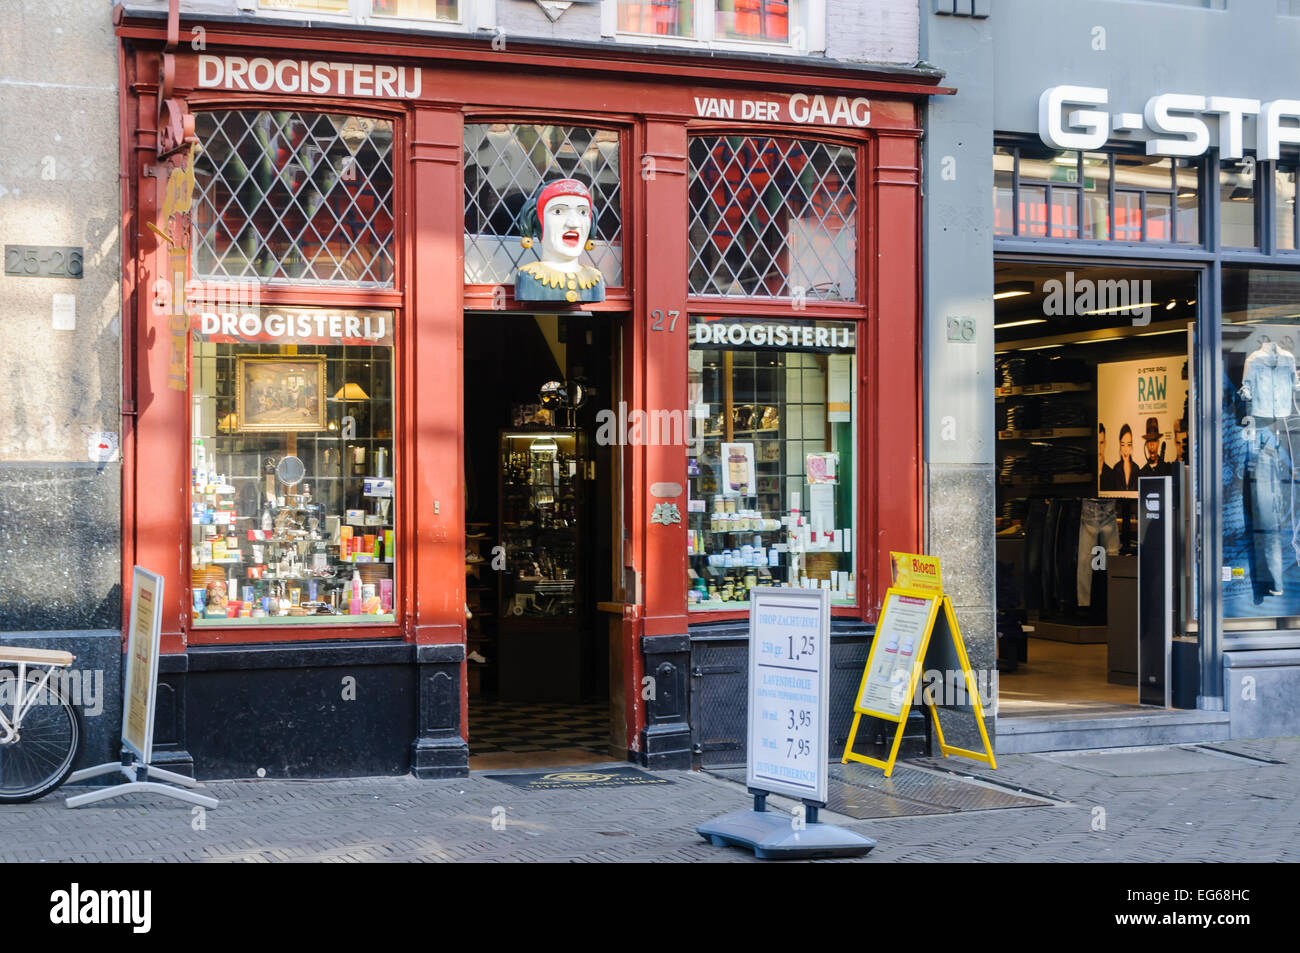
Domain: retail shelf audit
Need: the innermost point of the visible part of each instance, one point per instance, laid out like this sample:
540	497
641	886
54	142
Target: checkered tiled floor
498	727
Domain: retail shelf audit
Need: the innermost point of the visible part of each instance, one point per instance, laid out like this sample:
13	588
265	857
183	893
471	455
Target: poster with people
1142	418
1261	440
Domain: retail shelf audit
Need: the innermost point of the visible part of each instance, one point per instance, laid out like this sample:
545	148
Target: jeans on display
1067	553
1096	523
1035	528
1266	505
1047	578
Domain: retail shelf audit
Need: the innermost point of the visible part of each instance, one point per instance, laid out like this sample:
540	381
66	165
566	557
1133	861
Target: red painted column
893	364
431	468
432	366
660	327
660	318
160	453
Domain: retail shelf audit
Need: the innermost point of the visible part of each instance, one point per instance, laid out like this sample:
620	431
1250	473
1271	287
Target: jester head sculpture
560	216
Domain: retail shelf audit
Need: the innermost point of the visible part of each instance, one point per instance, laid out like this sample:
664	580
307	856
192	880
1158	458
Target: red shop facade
397	509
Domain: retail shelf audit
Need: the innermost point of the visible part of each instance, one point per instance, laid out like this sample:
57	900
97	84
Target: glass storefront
772	459
1261	443
292	487
292	468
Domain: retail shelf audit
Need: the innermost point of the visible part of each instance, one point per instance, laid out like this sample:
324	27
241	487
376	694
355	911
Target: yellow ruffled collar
585	277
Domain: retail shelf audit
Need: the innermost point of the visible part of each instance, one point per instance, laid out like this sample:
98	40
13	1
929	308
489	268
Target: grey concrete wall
958	284
1260	689
59	513
873	31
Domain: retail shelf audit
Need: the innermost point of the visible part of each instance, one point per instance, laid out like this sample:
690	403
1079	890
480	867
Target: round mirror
553	395
577	395
290	470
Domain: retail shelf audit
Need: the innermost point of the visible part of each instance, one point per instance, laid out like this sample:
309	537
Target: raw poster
1150	397
1261	499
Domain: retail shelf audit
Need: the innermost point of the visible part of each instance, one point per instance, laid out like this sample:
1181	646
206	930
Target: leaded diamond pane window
293	197
505	163
773	218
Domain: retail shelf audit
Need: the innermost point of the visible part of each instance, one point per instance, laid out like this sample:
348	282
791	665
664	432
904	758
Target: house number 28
657	320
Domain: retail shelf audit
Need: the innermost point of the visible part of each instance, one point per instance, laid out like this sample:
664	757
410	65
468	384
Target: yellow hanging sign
915	607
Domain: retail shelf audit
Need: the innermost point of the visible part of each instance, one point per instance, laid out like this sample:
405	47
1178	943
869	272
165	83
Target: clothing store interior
539	538
1092	393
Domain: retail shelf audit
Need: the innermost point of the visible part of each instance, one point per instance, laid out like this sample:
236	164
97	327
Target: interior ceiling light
1121	307
1012	289
1040	347
1173	303
1148	334
1016	324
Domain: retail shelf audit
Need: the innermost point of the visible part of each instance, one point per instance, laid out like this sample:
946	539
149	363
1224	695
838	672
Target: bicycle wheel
49	740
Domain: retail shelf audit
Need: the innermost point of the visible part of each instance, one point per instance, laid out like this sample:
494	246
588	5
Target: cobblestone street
1214	808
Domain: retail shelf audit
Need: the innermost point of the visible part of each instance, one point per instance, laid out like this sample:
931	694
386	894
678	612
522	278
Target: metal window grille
773	218
290	197
506	163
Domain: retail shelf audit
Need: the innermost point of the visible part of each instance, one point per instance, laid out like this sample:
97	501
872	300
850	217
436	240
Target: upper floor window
796	25
773	218
1238	208
1039	192
467	13
293	197
1285	217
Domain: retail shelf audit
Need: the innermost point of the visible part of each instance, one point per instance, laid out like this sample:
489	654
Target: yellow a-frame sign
914	606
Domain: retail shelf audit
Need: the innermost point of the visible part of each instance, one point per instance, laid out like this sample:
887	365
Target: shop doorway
1093	390
541	538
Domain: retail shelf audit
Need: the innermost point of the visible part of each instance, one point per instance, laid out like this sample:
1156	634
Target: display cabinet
541	612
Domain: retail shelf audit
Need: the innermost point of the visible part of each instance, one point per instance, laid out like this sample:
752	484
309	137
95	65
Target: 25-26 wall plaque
43	261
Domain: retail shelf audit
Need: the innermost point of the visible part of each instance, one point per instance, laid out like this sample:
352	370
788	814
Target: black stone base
93	683
666	740
436	759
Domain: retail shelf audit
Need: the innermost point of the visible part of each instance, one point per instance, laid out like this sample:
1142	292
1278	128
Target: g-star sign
1168	115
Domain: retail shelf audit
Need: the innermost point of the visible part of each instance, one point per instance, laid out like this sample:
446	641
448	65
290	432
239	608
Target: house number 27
657	320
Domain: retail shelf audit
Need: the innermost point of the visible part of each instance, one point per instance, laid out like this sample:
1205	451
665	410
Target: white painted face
566	222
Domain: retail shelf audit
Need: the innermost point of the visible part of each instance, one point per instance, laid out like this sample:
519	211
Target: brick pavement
1250	812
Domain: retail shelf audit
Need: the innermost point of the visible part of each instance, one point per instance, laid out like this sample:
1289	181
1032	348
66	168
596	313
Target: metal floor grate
861	791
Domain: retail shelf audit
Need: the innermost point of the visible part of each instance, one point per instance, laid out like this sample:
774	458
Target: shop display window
1261	443
773	218
292	470
1094	195
286	197
771	459
506	164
